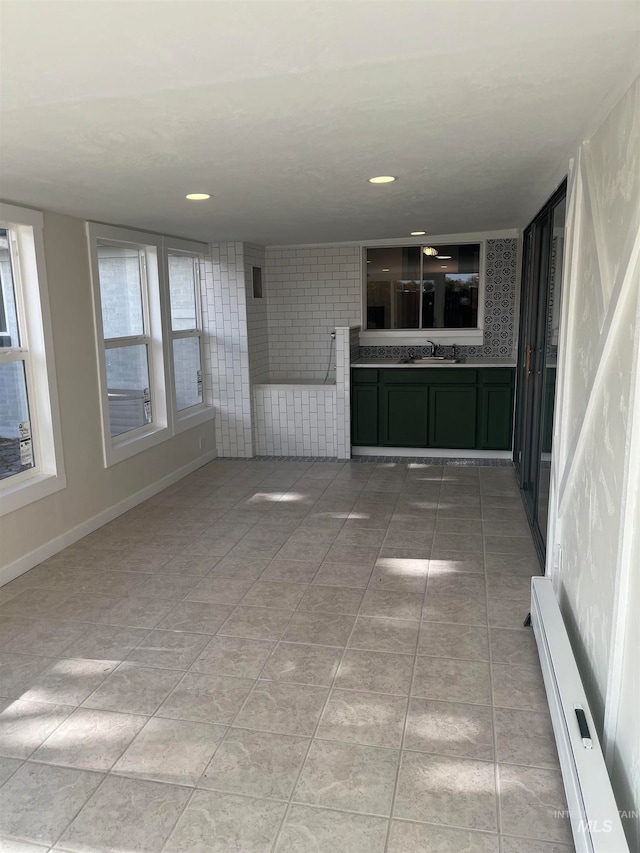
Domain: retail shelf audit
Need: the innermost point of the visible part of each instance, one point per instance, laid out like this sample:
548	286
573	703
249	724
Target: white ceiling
282	110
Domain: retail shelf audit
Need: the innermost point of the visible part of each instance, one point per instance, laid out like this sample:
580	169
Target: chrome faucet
433	348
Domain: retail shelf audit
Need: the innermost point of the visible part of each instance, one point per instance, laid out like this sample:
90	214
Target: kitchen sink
434	359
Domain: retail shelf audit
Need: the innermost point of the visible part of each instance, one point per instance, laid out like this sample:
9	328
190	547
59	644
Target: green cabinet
364	421
404	415
497	418
452	416
450	408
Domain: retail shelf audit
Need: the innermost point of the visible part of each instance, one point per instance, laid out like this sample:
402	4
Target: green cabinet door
452	416
404	415
496	422
364	415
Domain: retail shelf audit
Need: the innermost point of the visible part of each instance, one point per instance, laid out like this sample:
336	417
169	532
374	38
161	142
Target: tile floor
284	656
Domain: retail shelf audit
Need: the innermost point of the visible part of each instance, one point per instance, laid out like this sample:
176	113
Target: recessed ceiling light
443	257
417	233
385	269
382	179
198	196
443	266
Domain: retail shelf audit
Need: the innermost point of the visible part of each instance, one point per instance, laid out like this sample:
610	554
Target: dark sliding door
543	249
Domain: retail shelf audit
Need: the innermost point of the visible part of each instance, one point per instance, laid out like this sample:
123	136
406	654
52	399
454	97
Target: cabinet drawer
364	376
429	376
498	375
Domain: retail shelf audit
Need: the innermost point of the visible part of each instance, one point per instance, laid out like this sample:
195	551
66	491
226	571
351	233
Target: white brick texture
311	291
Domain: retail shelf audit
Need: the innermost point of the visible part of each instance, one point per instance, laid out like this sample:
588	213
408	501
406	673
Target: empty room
319	426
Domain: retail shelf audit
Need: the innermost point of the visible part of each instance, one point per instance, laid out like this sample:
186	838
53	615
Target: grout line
411	692
496	775
372	501
319	721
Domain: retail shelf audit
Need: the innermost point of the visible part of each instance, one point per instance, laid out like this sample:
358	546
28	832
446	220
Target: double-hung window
149	334
131	358
30	443
183	272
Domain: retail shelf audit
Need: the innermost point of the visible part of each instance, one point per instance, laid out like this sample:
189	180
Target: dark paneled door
538	344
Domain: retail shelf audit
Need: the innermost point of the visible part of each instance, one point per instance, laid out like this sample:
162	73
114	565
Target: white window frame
185	419
36	352
419	337
118	448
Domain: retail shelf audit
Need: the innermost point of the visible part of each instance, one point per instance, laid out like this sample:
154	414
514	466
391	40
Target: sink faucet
433	348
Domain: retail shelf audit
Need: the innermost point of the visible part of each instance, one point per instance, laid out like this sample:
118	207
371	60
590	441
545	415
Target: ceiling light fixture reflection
198	196
443	257
418	233
385	269
382	179
430	251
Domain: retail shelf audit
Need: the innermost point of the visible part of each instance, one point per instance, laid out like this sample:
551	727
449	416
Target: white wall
311	291
257	321
595	506
227	361
295	420
91	489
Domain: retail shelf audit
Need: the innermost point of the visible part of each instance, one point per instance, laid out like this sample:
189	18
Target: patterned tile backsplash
499	311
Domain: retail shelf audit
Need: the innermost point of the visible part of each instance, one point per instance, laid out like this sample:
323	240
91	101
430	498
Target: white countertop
475	362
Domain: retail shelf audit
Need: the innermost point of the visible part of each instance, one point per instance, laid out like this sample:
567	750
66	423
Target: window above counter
439	289
423	287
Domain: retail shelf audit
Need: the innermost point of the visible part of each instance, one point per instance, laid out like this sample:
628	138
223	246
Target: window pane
120	291
393	287
186	361
182	287
128	388
450	280
9	334
16	449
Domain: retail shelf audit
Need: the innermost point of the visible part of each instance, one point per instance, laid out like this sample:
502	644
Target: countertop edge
394	364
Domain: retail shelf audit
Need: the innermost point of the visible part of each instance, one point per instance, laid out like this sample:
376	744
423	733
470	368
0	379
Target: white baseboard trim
434	452
33	558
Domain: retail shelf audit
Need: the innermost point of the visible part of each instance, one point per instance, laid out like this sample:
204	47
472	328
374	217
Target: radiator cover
595	821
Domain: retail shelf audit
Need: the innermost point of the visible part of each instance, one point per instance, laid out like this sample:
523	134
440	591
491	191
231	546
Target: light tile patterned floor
284	656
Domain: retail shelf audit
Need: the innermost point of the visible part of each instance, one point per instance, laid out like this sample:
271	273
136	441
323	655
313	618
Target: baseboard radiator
595	820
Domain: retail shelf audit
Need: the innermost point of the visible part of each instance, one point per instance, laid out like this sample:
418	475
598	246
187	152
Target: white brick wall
306	420
257	320
343	393
227	349
296	421
311	291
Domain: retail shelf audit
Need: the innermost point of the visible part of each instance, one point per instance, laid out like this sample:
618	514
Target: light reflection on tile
273	632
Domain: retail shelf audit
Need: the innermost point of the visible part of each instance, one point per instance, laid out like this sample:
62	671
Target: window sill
189	419
127	447
14	496
406	337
